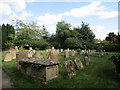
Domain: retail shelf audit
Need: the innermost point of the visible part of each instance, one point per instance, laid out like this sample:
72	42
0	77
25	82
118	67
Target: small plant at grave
116	60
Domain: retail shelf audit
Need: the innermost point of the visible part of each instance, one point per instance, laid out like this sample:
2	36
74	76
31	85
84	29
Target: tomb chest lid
40	61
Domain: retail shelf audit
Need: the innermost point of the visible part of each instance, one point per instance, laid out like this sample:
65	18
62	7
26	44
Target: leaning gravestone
78	63
69	68
8	57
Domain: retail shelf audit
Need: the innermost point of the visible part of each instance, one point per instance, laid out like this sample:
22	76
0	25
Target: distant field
99	74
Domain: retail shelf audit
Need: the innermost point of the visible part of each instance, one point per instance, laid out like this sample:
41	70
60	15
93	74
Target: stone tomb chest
42	70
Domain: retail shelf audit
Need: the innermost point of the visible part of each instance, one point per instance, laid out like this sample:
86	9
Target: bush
73	43
116	60
112	48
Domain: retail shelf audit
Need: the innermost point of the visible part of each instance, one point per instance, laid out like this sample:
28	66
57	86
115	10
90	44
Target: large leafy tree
26	32
62	32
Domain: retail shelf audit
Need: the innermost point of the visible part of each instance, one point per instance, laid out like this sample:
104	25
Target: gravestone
8	57
21	48
61	50
78	63
53	54
69	68
87	59
13	53
57	51
66	54
22	54
72	53
16	49
38	54
31	52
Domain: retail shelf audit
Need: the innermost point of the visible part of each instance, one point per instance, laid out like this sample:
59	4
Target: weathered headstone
21	48
13	53
31	52
57	51
72	53
61	50
78	63
53	54
8	57
21	55
38	54
66	54
69	68
87	59
16	49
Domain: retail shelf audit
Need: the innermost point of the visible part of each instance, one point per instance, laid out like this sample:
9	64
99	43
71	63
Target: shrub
116	60
112	48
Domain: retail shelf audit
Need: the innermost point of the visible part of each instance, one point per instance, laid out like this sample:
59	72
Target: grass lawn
99	74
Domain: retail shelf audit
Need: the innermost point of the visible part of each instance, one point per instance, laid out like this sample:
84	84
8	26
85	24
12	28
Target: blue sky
102	17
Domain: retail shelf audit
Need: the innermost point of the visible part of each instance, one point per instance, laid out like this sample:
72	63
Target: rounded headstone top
53	48
30	48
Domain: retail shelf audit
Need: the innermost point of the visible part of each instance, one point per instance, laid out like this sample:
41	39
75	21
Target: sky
101	16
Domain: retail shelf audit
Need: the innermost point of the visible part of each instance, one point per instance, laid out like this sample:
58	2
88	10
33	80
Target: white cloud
23	16
9	6
5	9
83	11
93	9
49	18
49	21
103	15
98	31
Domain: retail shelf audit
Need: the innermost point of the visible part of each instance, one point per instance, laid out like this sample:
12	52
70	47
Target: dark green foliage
110	36
8	36
116	60
112	48
99	47
79	36
39	43
73	43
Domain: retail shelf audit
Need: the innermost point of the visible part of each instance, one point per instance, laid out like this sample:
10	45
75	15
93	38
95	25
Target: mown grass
100	73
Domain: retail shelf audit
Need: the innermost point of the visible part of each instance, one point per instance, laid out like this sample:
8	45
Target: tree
73	43
8	35
110	36
86	36
25	32
62	32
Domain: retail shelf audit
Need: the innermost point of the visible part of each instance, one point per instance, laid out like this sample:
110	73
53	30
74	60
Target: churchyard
53	68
